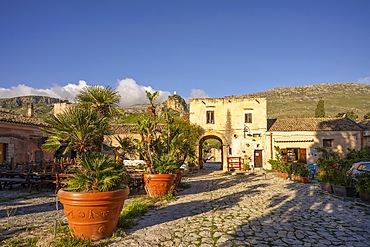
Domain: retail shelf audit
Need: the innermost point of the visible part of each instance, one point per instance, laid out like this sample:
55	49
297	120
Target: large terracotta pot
304	179
177	180
93	215
158	184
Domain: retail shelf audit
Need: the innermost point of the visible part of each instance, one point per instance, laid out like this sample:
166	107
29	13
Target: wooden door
258	158
2	152
302	155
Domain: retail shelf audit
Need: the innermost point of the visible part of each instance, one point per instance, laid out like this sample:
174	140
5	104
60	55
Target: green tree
104	100
165	146
211	143
77	128
349	114
82	127
320	109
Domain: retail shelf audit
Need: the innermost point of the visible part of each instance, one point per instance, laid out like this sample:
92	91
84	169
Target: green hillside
301	101
283	102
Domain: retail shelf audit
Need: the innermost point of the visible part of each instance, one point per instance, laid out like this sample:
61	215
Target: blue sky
199	48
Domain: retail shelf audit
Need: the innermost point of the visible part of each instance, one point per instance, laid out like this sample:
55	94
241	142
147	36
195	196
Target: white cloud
198	93
364	80
131	93
68	92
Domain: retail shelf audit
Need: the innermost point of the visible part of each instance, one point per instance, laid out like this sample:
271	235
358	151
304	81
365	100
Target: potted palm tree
165	144
96	190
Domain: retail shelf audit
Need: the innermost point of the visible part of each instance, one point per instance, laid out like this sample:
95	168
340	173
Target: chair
234	163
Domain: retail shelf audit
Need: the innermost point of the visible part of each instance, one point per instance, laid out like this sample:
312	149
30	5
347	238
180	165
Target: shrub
363	182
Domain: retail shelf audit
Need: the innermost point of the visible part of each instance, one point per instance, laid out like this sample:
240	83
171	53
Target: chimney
29	110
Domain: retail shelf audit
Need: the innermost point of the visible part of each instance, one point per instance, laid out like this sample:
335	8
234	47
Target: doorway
2	152
257	158
210	153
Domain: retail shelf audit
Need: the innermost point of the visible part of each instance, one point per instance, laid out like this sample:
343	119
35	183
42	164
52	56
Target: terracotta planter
304	179
364	196
343	190
158	184
191	169
326	187
177	180
93	215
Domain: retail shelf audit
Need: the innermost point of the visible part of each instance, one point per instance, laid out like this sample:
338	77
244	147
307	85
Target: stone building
21	138
298	138
238	122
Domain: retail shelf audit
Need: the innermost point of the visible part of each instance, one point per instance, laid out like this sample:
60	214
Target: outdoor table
9	178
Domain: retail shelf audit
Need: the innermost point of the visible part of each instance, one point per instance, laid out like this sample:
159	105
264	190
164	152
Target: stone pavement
251	210
222	210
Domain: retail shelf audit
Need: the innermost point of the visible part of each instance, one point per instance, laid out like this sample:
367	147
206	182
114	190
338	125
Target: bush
276	164
363	182
301	169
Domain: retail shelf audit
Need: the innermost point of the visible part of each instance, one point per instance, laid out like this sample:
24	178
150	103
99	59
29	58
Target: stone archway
224	147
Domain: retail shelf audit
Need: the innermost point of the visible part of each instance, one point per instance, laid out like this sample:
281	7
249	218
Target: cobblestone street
235	210
251	210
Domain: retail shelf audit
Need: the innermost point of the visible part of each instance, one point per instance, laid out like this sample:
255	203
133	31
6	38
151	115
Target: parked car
360	167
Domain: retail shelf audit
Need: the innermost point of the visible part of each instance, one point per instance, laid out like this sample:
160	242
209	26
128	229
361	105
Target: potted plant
164	146
94	196
301	172
343	183
363	186
285	170
192	163
325	173
96	190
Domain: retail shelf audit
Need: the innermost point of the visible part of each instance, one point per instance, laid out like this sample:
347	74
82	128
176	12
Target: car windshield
366	166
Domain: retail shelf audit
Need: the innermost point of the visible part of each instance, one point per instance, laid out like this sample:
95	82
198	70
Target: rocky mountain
283	102
43	105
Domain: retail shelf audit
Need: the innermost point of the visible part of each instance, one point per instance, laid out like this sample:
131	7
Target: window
328	143
248	118
294	154
210	117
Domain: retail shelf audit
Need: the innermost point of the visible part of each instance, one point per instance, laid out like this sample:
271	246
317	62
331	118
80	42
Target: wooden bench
234	163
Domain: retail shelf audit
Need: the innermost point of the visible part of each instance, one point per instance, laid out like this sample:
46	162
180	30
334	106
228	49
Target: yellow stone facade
238	122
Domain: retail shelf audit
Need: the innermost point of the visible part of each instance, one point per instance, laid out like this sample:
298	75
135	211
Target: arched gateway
224	147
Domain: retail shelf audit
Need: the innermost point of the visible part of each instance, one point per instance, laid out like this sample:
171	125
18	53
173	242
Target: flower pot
191	169
93	215
304	179
326	187
341	190
158	184
177	180
364	195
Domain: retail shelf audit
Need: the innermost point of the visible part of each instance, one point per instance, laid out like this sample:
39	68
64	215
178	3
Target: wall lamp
246	130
